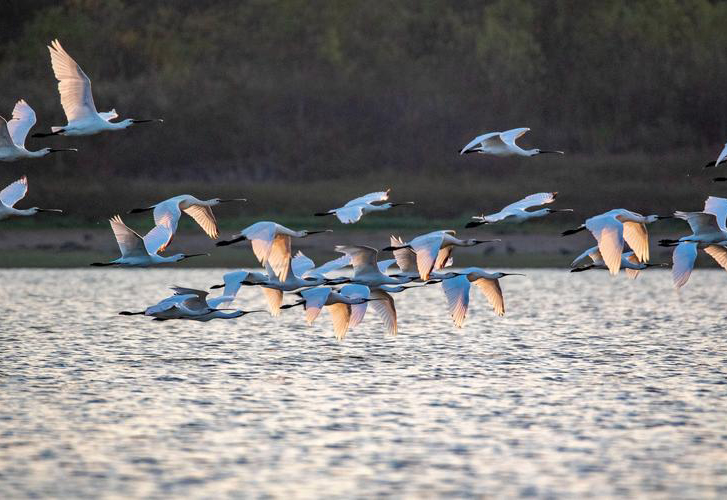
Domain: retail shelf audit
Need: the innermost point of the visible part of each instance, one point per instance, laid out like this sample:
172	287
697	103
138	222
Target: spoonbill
314	299
457	291
187	303
77	100
517	212
614	227
14	132
143	252
629	263
199	210
502	144
12	194
708	233
358	207
270	241
434	249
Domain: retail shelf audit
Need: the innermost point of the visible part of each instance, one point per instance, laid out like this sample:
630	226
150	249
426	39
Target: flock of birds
422	261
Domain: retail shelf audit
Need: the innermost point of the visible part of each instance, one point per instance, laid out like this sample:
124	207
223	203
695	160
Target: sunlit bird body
12	194
502	144
142	252
270	242
199	210
457	292
77	100
406	261
352	211
517	212
14	132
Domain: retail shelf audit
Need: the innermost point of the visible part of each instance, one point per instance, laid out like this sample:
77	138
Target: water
588	387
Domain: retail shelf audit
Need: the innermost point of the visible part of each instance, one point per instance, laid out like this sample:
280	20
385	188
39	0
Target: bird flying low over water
457	291
502	144
434	249
358	207
629	263
12	194
517	212
143	252
611	229
77	100
708	233
14	132
270	241
199	210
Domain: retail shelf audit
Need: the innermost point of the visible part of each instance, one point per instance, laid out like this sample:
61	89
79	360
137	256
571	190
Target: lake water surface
588	387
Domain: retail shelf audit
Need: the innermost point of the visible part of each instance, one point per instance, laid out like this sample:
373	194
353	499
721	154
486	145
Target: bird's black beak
139	210
57	210
248	283
230	242
469	151
233	199
660	217
148	121
402	203
513	274
487	241
572	231
254	311
541	152
52	150
710	164
719	179
187	256
323	231
474	224
214	287
555	210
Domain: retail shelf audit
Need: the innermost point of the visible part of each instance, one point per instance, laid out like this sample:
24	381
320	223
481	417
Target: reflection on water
590	386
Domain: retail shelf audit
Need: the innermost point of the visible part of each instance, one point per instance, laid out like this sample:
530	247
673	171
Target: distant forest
289	89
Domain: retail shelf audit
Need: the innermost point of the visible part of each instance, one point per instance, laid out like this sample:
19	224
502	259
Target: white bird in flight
708	233
366	270
457	291
232	283
143	252
502	144
14	193
14	132
611	229
358	207
77	99
187	303
517	212
406	260
629	263
270	242
434	249
199	210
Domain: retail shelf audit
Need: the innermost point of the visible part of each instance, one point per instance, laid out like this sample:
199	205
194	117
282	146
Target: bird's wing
274	298
493	292
73	84
23	120
261	238
683	259
300	264
717	207
722	156
167	210
592	252
197	301
369	198
314	300
427	250
331	265
637	236
159	237
457	291
443	257
385	308
510	136
533	200
350	214
631	274
280	256
357	310
14	192
205	218
109	115
406	259
480	139
6	139
341	317
699	222
363	258
608	231
719	254
384	265
130	243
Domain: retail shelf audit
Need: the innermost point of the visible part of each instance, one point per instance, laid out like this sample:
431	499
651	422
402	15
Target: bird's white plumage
159	236
73	85
357	310
369	198
608	232
491	289
510	136
129	241
699	222
717	207
457	292
23	120
315	299
718	253
636	235
683	258
385	308
14	192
